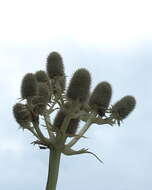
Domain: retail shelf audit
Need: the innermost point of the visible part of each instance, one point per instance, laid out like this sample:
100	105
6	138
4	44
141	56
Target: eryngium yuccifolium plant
29	86
100	98
55	67
22	114
45	93
72	126
123	107
79	86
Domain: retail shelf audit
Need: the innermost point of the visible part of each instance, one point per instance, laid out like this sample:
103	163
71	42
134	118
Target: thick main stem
54	162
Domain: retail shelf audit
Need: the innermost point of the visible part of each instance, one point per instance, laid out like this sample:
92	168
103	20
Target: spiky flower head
39	105
41	76
100	98
79	86
123	107
72	126
40	101
21	114
55	65
29	86
43	91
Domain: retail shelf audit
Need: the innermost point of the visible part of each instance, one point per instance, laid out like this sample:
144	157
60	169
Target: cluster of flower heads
42	88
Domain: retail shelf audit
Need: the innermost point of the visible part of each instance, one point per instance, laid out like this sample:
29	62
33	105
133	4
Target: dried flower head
55	65
29	86
21	114
43	91
41	76
100	98
123	107
79	86
39	104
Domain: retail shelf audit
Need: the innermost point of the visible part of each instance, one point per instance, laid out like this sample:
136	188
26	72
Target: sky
113	40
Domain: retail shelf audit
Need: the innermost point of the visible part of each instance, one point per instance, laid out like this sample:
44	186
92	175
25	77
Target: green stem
54	162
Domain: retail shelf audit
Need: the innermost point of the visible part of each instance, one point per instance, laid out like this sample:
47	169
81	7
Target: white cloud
103	23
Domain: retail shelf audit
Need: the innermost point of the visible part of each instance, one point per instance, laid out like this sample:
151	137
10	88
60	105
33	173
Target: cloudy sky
113	40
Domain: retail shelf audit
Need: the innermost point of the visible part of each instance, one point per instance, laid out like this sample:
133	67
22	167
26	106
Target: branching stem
81	133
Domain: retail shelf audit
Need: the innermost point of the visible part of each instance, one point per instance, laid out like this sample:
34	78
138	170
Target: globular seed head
54	65
21	114
123	107
29	87
43	91
41	76
18	110
100	97
79	86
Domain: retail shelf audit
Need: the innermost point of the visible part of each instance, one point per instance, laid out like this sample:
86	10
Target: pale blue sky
119	52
